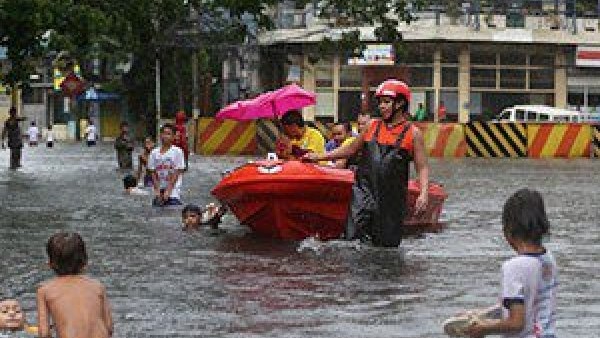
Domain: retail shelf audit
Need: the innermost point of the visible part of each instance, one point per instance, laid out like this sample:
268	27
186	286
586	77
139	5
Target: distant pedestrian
124	148
420	114
91	135
12	131
49	137
181	140
33	132
442	113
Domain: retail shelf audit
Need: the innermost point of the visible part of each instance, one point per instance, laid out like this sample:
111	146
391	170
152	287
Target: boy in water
529	280
77	304
192	216
130	184
167	164
12	318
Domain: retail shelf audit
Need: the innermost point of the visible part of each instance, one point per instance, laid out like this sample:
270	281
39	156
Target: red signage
72	85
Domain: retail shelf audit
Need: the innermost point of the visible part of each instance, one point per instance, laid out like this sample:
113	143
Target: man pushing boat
378	205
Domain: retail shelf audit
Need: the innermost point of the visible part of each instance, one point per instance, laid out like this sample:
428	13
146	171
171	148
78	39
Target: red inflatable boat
295	200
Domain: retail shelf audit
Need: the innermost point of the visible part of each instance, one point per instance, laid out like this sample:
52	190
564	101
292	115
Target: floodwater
164	282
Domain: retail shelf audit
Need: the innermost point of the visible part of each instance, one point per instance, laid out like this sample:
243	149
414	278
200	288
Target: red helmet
393	88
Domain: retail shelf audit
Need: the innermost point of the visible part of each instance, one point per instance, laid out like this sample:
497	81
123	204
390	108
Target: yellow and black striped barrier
266	135
596	141
226	137
496	139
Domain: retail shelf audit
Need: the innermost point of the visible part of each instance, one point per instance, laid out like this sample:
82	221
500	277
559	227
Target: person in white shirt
49	137
33	133
529	280
167	164
91	134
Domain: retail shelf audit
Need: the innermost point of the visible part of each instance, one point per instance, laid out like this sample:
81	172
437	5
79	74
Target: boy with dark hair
529	280
12	318
130	184
193	216
167	164
76	304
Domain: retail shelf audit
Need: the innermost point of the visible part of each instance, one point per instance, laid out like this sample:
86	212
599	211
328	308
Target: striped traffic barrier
226	137
444	140
596	141
558	140
266	135
489	139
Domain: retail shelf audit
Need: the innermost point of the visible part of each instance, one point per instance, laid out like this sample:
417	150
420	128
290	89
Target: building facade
475	64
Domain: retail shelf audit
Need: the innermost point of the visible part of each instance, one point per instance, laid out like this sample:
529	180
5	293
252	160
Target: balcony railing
559	19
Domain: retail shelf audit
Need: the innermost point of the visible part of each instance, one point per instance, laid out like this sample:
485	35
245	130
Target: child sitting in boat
130	185
12	319
528	279
193	217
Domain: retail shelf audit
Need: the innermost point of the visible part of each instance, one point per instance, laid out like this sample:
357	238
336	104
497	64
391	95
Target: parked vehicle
539	113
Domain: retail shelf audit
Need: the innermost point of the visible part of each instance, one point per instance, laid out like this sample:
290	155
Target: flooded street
164	282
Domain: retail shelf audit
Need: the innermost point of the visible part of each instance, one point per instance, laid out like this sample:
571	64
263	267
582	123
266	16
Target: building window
421	76
541	78
325	102
483	78
513	78
483	58
33	96
449	77
350	77
349	105
513	58
324	77
541	60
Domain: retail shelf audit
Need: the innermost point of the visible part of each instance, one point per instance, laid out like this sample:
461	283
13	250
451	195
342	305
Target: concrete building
475	62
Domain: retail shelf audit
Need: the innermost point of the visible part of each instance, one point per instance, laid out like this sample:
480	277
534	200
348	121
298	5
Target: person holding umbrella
379	194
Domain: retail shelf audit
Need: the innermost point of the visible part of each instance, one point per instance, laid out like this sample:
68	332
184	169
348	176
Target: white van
534	113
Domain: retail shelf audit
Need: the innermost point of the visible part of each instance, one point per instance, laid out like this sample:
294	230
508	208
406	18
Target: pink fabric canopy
272	104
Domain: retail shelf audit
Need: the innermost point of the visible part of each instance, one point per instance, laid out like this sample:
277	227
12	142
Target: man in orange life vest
379	193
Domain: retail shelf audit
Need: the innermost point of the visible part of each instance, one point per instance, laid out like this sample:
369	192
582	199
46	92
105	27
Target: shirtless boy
76	304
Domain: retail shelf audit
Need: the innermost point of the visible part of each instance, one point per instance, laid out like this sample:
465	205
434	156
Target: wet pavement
164	282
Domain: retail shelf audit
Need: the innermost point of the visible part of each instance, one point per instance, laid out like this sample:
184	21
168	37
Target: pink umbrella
272	104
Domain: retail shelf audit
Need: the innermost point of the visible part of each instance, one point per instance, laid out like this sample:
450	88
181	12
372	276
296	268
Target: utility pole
157	89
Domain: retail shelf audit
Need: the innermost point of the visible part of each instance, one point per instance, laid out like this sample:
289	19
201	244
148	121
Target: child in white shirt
33	133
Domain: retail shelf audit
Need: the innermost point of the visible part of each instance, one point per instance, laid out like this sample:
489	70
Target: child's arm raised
514	323
43	319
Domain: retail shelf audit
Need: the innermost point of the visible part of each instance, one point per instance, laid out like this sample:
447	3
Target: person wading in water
379	194
12	131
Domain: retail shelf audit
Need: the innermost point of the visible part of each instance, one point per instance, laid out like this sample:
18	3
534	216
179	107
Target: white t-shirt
33	133
91	132
531	279
49	136
165	165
